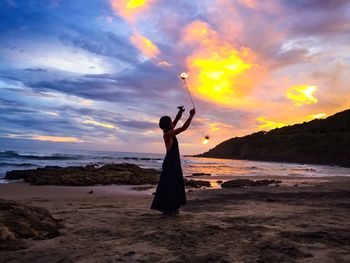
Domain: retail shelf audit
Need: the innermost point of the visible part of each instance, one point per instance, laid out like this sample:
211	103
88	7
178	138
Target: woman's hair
165	123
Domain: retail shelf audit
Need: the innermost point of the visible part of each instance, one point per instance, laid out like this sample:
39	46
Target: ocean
23	159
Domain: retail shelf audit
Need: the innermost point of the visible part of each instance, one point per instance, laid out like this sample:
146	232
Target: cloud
117	63
220	72
35	69
249	3
138	125
268	124
146	46
91	121
107	44
55	138
318	116
320	18
302	94
130	9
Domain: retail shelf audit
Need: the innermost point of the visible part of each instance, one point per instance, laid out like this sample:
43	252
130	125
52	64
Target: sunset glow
135	3
104	72
146	46
318	116
56	139
101	124
302	94
268	124
221	72
129	9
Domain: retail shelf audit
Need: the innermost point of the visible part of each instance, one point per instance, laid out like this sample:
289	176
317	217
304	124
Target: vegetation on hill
320	141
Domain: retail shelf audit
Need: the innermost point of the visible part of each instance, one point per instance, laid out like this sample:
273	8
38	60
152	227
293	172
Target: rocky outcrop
89	175
247	182
19	223
196	183
201	174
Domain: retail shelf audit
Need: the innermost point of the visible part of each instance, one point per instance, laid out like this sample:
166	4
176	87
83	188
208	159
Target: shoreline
124	188
295	220
263	223
19	190
269	161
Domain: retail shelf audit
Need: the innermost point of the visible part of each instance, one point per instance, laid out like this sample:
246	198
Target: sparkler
184	76
206	139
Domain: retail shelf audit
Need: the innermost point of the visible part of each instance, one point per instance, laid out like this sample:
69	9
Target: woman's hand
192	112
181	109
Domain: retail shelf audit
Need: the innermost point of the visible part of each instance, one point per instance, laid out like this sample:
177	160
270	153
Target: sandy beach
304	223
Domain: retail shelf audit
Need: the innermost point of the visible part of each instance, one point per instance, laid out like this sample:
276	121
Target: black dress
170	193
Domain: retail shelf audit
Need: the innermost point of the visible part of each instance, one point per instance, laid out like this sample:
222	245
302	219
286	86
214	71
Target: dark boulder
89	175
247	182
201	174
196	183
19	222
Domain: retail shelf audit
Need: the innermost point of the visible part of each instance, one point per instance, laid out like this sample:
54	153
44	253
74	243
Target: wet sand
308	223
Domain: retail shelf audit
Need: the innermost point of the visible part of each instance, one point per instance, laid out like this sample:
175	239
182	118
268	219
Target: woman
170	193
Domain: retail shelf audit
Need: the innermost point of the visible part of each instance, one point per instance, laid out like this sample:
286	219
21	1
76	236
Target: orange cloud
220	72
100	124
302	94
146	46
268	124
249	3
318	116
56	139
129	9
164	64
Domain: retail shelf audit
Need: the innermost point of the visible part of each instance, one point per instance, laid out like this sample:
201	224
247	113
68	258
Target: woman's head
165	123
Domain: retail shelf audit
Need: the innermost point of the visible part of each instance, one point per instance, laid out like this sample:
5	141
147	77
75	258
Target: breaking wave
56	156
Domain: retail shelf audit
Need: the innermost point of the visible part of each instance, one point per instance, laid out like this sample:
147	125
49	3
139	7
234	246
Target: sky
98	74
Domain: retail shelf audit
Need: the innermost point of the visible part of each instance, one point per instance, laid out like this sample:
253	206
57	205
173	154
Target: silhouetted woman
170	193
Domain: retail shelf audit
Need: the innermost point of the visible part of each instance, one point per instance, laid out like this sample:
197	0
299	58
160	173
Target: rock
6	234
269	199
142	188
201	174
19	222
219	182
196	183
247	182
89	175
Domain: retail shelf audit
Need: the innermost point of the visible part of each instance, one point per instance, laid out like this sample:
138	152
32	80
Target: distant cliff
325	141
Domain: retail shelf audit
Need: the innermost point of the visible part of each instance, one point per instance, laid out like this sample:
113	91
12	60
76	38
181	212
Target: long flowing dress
170	193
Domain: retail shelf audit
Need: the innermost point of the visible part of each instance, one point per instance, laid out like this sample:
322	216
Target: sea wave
16	164
127	158
56	156
139	158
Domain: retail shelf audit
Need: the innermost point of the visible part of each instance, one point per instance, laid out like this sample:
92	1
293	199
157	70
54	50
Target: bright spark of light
205	141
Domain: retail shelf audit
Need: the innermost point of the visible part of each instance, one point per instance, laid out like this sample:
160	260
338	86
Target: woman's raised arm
178	115
184	127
